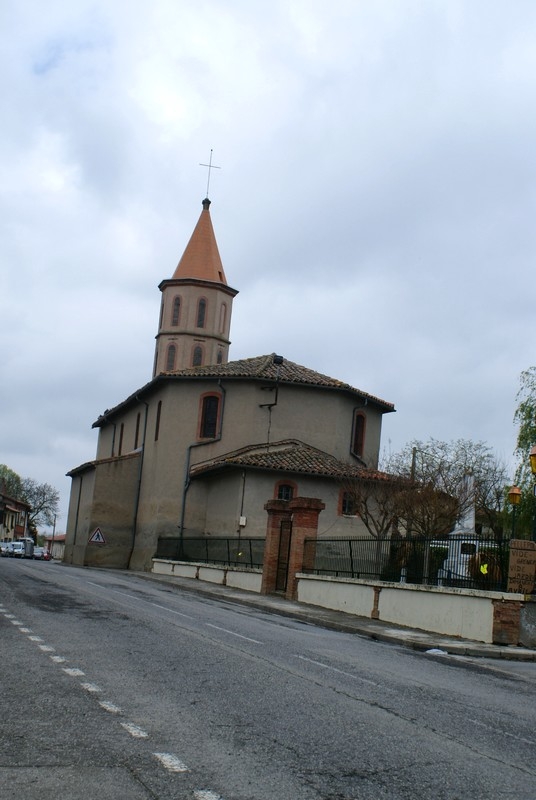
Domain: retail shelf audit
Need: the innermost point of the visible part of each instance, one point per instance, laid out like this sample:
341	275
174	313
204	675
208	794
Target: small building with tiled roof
202	447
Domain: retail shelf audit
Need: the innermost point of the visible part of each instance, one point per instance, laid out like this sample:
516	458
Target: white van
22	548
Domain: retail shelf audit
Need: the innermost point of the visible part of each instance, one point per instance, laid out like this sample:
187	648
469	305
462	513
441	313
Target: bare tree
438	496
374	497
44	501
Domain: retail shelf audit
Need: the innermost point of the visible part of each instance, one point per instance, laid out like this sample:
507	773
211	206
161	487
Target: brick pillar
506	621
305	513
278	511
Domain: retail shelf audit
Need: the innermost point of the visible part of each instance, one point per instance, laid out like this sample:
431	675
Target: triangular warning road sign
97	537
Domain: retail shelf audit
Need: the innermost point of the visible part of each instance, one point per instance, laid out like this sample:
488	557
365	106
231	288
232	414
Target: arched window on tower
170	358
197	356
201	312
223	317
219	357
176	311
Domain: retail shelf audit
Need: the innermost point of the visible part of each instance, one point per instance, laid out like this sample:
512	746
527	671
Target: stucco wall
452	612
108	502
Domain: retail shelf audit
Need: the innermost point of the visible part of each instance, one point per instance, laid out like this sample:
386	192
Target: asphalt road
117	687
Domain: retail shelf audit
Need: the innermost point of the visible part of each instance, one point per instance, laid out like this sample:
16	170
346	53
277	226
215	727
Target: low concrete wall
469	614
448	611
238	578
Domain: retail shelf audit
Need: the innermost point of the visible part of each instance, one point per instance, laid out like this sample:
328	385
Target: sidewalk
347	623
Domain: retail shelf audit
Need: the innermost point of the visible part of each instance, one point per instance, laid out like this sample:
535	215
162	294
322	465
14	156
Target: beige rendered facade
199	450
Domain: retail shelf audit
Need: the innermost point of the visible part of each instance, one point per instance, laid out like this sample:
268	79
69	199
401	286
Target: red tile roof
201	259
289	455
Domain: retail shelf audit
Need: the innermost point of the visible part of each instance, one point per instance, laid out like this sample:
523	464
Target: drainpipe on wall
138	488
187	471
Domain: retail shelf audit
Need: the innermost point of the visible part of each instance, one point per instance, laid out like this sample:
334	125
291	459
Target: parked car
4	546
39	553
17	550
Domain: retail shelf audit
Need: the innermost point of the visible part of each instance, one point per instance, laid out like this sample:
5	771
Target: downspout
187	471
138	488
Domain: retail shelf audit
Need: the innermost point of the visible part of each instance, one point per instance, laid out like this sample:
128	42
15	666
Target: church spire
195	315
201	259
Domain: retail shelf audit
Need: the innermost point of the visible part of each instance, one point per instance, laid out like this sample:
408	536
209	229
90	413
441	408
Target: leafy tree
525	417
10	482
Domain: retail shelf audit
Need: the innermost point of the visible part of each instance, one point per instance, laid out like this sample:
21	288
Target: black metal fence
234	552
462	561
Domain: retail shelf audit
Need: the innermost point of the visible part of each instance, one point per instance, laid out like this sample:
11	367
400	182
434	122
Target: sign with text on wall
97	537
522	567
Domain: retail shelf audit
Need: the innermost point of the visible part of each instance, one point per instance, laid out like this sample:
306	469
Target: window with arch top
201	312
170	358
176	311
197	356
285	490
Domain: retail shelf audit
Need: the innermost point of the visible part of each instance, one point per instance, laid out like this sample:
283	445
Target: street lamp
514	497
532	457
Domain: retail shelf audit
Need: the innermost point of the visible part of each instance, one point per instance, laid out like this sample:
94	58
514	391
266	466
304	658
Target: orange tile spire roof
201	259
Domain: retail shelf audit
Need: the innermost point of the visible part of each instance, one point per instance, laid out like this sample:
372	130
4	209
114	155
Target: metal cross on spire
210	166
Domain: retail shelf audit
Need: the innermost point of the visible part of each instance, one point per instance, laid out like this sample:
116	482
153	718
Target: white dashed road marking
90	687
138	733
255	641
171	762
111	707
339	671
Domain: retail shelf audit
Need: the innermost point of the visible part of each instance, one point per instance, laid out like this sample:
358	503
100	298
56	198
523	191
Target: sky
374	206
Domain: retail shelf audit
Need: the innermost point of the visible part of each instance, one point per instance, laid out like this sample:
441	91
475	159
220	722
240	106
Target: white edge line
232	633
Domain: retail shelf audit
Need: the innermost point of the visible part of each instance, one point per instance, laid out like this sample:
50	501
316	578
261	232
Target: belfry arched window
170	358
197	356
201	312
176	311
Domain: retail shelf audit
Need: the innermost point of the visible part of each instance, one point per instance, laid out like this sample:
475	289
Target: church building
207	442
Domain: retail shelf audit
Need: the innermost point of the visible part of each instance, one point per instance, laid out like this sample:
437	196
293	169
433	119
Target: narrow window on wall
201	312
358	438
176	312
121	432
197	357
170	360
347	504
157	425
161	314
209	417
137	434
219	357
223	317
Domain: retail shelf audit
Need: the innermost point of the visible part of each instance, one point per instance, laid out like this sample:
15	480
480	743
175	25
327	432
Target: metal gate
283	556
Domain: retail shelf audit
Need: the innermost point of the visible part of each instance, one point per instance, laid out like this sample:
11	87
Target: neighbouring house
200	449
13	518
55	545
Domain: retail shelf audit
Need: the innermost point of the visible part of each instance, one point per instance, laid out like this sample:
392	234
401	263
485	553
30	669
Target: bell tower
195	311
